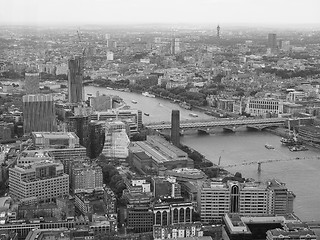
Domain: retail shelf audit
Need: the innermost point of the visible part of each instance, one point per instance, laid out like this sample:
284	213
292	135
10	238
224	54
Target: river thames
299	170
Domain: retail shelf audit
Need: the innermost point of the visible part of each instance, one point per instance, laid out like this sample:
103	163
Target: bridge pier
230	129
203	131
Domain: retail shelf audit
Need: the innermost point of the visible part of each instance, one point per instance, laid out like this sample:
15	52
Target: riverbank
283	132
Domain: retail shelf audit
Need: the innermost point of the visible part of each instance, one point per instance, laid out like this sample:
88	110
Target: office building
164	187
60	145
52	139
116	141
166	214
32	83
140	218
75	79
38	113
80	126
96	138
38	182
33	156
265	107
250	198
175	46
272	41
131	116
175	127
275	227
85	177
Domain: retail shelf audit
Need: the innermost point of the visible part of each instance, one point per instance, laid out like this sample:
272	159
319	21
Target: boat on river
147	94
193	115
298	148
268	146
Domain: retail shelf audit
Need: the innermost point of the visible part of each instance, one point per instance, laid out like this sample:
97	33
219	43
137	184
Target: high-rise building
38	182
116	140
80	126
175	127
218	32
175	46
38	113
75	79
96	138
32	83
272	41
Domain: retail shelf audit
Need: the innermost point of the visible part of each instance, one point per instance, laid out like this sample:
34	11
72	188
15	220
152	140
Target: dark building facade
272	40
75	80
38	113
80	126
96	139
175	127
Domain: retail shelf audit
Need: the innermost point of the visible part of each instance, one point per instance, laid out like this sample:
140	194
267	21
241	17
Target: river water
299	170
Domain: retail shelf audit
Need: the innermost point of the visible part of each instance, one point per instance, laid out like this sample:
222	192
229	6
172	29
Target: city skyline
59	12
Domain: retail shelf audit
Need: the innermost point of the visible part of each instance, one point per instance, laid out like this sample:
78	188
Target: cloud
193	11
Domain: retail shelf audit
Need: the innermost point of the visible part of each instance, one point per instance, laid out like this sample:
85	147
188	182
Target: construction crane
259	162
80	40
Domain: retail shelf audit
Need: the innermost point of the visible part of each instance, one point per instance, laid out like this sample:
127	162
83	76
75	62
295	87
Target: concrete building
33	156
32	83
38	182
166	187
60	145
238	226
218	199
139	218
85	177
175	213
75	79
180	231
38	113
131	116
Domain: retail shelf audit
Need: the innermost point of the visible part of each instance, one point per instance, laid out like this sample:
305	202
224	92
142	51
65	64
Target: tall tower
75	79
175	127
32	82
38	113
218	32
272	41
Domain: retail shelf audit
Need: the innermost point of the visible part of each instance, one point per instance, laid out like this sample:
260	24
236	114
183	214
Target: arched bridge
227	123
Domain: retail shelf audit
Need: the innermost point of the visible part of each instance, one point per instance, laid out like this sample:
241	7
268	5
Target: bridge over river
230	124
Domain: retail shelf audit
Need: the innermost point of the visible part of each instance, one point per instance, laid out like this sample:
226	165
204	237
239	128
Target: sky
159	11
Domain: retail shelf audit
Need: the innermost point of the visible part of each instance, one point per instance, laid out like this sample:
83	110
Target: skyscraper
75	78
38	113
32	83
175	46
218	32
272	40
175	127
